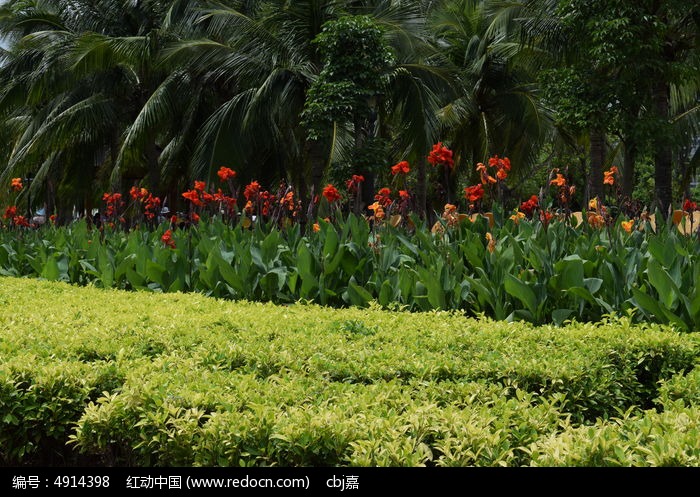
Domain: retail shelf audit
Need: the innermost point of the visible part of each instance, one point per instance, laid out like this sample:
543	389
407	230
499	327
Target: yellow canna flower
492	243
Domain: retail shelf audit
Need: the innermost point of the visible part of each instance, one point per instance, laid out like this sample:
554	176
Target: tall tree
497	110
74	78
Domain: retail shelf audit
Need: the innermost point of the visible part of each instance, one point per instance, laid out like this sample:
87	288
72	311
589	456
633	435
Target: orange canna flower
486	178
517	217
378	211
596	220
560	180
627	225
609	176
17	184
317	227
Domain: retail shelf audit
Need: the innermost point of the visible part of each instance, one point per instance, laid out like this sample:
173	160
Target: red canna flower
20	221
138	193
546	217
401	168
499	163
226	173
354	183
689	206
502	166
252	190
167	239
331	193
193	196
530	205
474	193
10	212
383	196
17	184
199	185
441	155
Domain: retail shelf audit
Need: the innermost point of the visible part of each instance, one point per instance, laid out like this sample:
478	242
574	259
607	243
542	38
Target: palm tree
261	60
497	111
265	60
74	77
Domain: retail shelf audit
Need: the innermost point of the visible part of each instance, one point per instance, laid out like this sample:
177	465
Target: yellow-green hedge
145	379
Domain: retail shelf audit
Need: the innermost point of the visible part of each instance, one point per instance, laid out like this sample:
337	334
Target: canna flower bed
502	267
541	262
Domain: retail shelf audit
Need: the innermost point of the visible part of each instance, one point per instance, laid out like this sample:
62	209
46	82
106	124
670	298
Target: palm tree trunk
50	197
421	189
317	157
153	168
663	160
597	160
366	191
628	168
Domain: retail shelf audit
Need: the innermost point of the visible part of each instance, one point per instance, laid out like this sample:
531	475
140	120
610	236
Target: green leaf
386	293
358	295
593	284
662	251
156	273
561	315
331	243
522	292
663	283
570	272
436	295
50	270
651	307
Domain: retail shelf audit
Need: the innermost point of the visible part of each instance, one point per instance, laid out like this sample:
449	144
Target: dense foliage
104	96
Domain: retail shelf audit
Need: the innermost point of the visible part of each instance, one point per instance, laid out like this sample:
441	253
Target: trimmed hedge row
105	377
